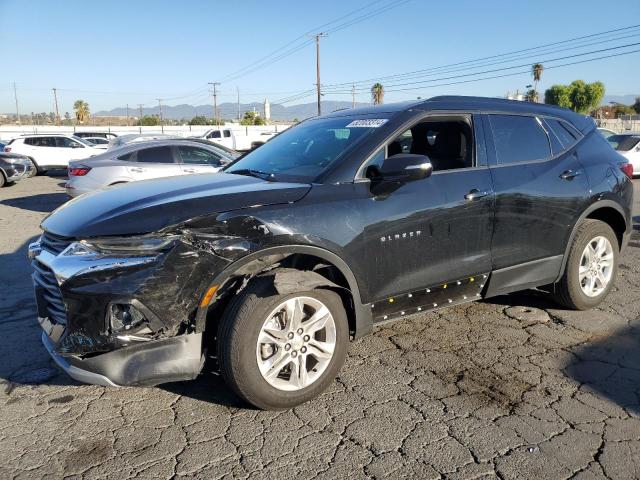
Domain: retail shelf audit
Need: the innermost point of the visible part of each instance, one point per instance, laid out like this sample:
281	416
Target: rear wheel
591	268
2	179
277	351
34	170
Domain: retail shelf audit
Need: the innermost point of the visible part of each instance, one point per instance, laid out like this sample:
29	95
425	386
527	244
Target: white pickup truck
228	138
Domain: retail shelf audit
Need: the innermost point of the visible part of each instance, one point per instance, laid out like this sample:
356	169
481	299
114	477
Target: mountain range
278	112
230	110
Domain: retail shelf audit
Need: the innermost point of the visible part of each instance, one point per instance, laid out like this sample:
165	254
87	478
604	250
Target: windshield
623	143
303	152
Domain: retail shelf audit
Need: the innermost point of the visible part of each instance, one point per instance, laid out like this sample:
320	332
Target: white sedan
146	160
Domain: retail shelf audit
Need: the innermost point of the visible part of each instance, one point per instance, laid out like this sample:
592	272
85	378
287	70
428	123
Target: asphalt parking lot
513	387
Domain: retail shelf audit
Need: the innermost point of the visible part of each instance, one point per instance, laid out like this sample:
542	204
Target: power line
466	62
507	68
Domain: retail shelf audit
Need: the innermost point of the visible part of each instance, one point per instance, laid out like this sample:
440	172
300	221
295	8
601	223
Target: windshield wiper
255	173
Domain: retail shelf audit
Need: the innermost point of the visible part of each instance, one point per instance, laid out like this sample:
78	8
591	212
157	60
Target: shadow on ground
37	203
610	367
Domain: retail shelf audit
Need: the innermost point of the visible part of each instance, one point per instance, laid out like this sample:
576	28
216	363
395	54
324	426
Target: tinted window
128	157
155	155
199	156
564	132
623	143
41	141
227	133
215	134
519	139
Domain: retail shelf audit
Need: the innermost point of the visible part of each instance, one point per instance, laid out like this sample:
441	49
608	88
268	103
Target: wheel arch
606	211
236	275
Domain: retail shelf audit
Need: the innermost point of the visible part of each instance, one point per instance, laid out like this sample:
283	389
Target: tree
636	105
82	110
536	72
149	121
532	95
377	93
579	96
252	118
198	120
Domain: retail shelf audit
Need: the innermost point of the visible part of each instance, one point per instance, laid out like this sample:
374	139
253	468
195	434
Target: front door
433	233
154	162
198	160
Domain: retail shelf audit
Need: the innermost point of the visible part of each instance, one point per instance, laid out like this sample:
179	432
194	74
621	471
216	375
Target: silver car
147	160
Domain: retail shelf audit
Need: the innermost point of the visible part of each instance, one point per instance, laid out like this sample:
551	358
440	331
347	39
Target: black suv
340	223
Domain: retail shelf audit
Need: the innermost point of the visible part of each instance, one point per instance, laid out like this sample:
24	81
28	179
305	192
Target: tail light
78	171
7	149
627	169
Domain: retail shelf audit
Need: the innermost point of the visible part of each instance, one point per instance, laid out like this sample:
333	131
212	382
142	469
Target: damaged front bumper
76	294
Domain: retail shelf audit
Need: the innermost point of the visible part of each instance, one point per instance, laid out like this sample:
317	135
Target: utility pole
15	94
140	105
161	119
318	36
353	96
55	97
238	91
127	114
215	102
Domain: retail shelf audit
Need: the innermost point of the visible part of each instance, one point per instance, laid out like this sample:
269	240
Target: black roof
454	102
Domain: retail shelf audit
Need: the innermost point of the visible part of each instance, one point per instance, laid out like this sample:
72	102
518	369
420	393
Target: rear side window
215	134
227	133
41	141
155	155
128	157
519	139
565	133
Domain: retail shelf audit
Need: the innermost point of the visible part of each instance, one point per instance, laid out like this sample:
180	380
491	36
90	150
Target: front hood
151	205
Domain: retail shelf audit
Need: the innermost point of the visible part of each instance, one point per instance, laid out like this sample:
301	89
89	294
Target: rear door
198	160
540	191
153	162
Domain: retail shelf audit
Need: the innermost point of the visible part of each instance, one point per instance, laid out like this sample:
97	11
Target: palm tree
82	110
536	71
377	93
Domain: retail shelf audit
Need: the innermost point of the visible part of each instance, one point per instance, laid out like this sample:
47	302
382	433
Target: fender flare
363	317
590	209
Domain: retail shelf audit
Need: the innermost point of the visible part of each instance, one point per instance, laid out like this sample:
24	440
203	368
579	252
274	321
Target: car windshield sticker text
373	123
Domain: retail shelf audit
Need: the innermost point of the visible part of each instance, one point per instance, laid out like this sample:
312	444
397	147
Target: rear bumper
150	363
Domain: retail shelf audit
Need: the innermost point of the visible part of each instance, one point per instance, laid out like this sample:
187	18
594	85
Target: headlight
129	245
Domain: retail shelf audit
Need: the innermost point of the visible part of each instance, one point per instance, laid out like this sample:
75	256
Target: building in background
267	110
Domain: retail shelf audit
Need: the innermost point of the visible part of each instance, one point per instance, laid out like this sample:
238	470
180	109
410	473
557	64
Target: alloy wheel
296	343
596	266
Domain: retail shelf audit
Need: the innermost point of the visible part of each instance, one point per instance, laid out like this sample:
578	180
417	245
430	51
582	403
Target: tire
569	290
2	179
239	352
35	169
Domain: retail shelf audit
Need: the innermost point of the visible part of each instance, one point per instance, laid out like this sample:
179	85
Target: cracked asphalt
513	387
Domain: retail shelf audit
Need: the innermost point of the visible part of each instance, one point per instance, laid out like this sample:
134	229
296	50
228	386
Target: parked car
145	160
264	138
605	132
97	142
51	151
227	138
340	223
14	167
105	135
628	145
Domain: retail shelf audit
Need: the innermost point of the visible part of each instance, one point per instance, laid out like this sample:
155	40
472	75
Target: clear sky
117	52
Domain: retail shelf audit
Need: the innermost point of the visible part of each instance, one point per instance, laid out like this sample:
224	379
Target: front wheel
591	268
278	351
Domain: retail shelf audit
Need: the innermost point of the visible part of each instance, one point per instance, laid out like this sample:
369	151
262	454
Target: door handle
189	170
474	194
138	169
570	174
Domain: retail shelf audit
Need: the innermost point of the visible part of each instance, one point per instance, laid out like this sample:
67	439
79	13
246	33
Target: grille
54	243
50	302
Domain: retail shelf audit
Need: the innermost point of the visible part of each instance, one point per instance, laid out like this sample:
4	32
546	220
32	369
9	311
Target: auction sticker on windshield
371	123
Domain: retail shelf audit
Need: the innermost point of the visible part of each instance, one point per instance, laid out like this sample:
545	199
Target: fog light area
125	317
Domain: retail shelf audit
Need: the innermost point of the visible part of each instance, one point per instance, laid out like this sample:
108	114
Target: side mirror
405	167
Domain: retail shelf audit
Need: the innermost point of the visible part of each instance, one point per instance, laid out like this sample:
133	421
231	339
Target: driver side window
446	140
